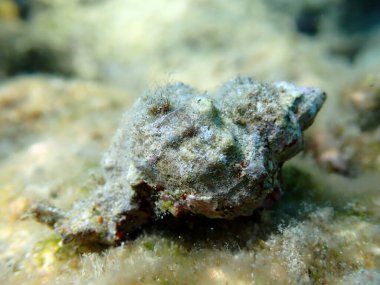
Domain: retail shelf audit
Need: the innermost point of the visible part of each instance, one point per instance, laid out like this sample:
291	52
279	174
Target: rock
351	146
364	97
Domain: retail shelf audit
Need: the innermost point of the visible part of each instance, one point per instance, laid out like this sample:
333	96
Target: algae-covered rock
182	151
364	97
351	146
54	131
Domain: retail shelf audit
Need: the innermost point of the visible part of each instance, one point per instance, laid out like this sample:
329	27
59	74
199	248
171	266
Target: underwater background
69	69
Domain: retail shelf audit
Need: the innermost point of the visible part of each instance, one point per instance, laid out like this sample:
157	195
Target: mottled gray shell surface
182	151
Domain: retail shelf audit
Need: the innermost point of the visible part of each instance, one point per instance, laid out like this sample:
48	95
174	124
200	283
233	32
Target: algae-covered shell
182	151
218	155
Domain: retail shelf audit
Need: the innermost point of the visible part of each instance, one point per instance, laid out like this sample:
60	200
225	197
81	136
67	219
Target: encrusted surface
182	151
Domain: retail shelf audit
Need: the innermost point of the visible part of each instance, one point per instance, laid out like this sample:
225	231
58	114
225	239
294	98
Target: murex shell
180	151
